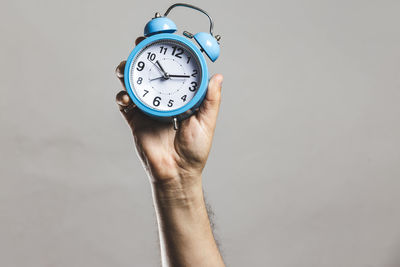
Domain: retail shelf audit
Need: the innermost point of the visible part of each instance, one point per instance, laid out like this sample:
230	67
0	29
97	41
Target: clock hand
157	67
179	76
161	77
165	74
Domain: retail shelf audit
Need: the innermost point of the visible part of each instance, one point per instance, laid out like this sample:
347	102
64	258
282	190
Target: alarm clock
166	74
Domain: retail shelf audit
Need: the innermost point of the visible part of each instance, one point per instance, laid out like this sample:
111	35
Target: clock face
165	75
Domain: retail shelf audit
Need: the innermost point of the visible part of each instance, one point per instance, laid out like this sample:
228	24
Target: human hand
174	157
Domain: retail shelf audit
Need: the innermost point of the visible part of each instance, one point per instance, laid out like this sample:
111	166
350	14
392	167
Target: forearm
186	237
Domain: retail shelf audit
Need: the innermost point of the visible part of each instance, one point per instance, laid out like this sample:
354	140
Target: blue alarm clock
166	75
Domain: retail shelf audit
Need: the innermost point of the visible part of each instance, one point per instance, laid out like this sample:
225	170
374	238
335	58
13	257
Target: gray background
305	167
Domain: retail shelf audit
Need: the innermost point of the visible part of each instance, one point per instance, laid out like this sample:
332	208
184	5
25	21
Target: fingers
209	108
126	106
139	39
119	71
123	100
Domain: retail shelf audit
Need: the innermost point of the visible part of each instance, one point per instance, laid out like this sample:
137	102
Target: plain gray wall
305	166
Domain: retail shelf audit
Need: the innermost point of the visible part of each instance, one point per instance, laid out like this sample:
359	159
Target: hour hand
160	68
165	74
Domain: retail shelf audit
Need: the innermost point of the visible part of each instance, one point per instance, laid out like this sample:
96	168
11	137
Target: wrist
178	192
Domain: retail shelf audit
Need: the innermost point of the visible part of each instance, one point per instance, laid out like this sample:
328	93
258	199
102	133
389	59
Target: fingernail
220	79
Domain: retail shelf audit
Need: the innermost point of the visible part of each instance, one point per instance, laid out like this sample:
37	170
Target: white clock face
165	75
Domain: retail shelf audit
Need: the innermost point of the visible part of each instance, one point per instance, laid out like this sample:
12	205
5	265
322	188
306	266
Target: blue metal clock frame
193	103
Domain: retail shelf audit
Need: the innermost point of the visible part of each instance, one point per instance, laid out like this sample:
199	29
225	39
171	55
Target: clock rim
193	103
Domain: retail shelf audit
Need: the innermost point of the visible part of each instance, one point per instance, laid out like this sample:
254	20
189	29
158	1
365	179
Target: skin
174	161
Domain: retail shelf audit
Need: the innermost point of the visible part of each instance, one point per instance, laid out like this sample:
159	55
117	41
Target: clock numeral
146	92
156	101
151	56
188	60
170	103
194	74
184	98
140	66
162	48
180	51
139	81
192	89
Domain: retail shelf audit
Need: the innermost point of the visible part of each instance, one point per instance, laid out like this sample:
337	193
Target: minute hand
179	76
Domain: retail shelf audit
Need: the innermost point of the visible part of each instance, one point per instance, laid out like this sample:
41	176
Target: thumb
208	111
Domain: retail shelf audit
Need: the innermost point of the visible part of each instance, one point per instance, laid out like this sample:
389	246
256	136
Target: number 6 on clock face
165	75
